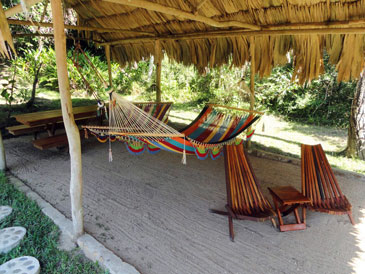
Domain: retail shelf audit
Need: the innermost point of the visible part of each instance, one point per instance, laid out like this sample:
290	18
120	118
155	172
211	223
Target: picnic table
54	116
49	121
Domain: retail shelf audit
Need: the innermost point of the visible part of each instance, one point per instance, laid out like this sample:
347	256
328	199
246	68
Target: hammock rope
205	136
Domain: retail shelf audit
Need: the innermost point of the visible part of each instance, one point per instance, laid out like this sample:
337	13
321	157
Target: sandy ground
153	212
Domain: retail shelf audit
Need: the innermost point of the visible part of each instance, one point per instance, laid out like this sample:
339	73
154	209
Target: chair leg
349	213
274	223
230	224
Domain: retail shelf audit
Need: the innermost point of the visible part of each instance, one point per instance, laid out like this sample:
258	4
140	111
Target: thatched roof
211	32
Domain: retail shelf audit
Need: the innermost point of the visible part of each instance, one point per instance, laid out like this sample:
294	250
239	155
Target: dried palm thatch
5	35
209	33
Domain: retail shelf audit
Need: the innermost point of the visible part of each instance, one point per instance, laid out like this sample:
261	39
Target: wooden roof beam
143	4
18	8
51	35
236	33
50	25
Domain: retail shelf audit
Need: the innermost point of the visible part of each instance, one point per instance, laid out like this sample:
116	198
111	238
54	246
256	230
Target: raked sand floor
153	212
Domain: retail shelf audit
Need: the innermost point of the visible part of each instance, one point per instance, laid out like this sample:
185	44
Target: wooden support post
2	154
158	63
107	53
252	80
72	130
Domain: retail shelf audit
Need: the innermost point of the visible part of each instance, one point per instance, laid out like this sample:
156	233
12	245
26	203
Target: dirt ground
153	212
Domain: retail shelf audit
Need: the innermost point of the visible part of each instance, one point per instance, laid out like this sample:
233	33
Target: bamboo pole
51	35
107	53
2	154
237	33
50	25
18	8
158	63
71	128
234	108
252	81
148	5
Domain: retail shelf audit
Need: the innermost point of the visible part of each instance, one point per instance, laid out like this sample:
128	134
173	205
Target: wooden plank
24	129
52	141
292	227
288	195
53	116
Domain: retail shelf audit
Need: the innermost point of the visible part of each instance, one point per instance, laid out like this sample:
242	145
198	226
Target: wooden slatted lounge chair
320	185
245	200
159	110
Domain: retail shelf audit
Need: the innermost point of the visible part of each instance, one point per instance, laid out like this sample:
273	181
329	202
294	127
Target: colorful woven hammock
205	136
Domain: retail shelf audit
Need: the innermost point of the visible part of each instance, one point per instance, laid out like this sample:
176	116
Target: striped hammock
205	136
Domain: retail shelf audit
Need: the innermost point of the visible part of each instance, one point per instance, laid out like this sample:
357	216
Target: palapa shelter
204	33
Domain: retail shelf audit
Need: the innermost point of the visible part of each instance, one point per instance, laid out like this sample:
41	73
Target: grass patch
276	135
41	239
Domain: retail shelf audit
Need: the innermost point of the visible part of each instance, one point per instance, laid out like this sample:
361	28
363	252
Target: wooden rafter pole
71	128
237	33
252	80
18	8
148	5
158	63
107	54
15	35
50	25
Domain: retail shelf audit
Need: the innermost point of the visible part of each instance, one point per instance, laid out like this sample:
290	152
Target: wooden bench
53	141
24	129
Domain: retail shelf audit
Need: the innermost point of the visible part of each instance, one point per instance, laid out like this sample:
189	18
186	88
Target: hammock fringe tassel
183	161
110	155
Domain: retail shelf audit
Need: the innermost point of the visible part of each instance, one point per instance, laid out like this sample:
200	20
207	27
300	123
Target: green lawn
42	236
276	135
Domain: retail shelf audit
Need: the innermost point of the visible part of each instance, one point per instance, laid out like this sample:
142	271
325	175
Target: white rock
10	237
21	265
5	211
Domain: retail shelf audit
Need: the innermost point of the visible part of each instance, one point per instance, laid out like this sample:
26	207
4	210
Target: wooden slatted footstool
286	200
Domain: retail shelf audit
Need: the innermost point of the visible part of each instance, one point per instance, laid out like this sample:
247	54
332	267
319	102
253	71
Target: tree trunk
356	133
72	131
34	87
